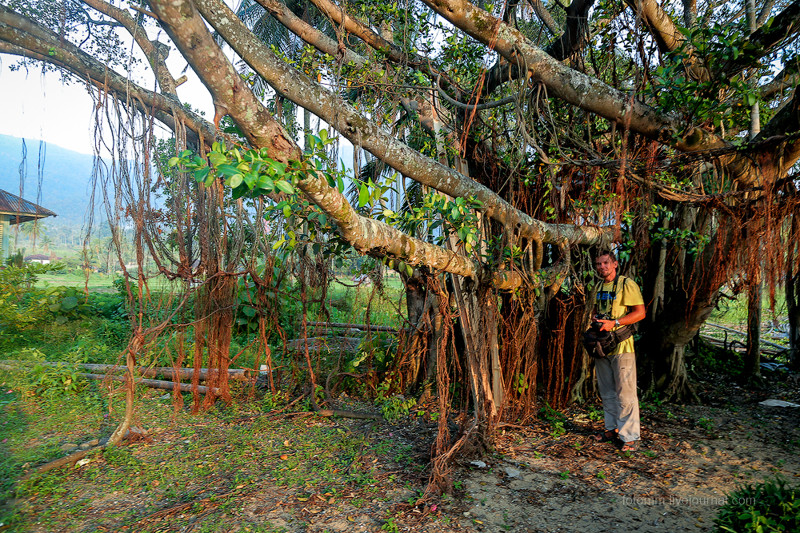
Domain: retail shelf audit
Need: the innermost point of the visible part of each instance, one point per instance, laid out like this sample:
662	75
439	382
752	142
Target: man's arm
636	314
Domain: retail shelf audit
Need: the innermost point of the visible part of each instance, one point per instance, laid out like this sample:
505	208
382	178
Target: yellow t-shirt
616	299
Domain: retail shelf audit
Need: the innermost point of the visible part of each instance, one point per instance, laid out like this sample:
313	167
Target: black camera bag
601	343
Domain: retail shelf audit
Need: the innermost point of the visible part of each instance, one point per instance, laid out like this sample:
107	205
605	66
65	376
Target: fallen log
168	372
152	383
341	325
744	334
319	344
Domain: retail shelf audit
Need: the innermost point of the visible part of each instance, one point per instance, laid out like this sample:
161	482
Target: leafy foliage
771	506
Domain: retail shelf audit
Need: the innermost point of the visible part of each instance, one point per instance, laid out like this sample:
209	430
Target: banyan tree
496	148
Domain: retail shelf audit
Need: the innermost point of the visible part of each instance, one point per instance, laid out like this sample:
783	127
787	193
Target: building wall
4	232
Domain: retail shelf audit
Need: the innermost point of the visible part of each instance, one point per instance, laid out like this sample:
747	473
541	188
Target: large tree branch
576	31
153	53
784	26
309	34
377	42
189	33
25	38
785	79
562	48
785	121
667	36
364	133
590	93
545	16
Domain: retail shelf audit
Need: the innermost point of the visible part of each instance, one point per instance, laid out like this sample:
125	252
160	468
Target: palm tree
33	230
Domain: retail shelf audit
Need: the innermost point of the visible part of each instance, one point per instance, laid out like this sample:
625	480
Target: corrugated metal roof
20	209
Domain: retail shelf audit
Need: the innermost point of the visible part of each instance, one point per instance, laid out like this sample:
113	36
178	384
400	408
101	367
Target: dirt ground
691	458
546	477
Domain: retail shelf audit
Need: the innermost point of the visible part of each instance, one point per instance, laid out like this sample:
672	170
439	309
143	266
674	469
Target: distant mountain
66	178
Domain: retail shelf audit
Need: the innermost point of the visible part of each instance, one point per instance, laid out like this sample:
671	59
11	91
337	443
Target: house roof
21	210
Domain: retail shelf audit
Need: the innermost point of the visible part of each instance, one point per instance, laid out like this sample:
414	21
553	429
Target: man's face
606	268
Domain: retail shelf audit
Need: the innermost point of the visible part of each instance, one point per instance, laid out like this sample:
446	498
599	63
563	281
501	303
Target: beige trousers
616	381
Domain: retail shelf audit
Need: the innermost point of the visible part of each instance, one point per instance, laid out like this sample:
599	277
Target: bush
767	507
21	305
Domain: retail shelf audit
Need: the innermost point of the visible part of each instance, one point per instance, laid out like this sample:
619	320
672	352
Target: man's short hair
609	253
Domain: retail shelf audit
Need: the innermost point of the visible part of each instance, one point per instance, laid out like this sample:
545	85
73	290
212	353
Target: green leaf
287	211
250	179
236	180
173	161
363	195
201	175
277	167
227	170
284	186
216	158
266	183
248	311
70	302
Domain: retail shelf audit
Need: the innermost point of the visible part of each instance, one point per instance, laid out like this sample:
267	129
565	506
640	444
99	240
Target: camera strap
605	299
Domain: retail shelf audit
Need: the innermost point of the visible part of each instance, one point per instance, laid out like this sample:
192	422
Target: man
619	303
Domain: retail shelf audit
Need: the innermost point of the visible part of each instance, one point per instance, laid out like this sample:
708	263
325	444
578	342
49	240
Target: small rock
512	472
135	432
479	464
166	397
68	447
778	403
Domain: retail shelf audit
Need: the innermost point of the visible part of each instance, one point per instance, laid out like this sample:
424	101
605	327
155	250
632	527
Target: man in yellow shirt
619	303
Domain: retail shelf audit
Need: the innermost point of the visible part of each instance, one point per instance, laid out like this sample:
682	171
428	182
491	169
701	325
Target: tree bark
664	357
752	355
792	291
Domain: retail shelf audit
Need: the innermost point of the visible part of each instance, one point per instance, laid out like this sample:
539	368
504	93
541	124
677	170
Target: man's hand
606	325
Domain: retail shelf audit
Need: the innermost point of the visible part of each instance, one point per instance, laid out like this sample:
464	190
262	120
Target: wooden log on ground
168	372
744	334
341	325
152	383
330	344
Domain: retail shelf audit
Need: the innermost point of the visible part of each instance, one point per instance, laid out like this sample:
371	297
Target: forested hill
66	177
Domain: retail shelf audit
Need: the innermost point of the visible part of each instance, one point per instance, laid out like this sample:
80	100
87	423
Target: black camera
596	320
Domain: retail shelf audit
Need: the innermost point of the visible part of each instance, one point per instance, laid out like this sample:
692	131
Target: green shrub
21	305
767	507
55	381
393	406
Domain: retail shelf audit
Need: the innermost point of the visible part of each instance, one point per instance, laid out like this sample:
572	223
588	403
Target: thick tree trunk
792	291
752	356
663	356
793	306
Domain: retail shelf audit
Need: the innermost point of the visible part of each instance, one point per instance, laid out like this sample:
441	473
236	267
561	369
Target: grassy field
201	470
213	460
94	280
